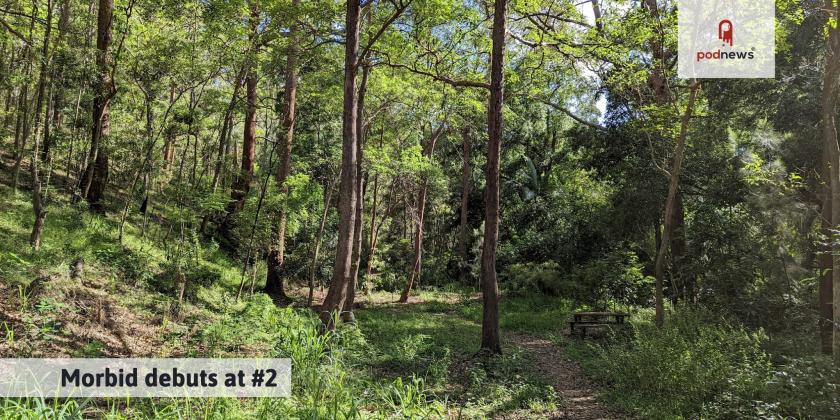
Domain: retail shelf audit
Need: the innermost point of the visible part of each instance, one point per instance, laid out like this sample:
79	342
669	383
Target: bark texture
671	203
342	270
490	336
831	78
96	174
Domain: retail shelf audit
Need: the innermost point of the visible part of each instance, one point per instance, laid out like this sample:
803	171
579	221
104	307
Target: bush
685	369
133	267
804	388
617	277
538	277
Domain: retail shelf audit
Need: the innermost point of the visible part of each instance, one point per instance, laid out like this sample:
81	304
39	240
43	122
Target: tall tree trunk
417	263
170	135
96	175
466	186
490	337
372	226
596	14
831	79
242	185
356	256
670	203
227	122
22	128
37	202
275	260
337	293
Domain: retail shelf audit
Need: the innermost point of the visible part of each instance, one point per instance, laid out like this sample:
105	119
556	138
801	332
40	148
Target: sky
585	8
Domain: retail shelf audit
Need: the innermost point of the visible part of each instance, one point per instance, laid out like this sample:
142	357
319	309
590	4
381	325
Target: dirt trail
577	393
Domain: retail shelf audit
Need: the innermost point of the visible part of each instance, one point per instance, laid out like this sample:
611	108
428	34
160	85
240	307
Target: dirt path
567	378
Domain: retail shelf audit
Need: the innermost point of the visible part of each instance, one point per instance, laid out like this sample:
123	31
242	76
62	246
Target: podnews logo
720	39
726	33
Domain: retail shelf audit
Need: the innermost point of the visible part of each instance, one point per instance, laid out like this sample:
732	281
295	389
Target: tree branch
572	115
13	31
399	9
438	77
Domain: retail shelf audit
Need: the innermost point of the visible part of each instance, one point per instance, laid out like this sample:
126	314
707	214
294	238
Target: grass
433	340
401	361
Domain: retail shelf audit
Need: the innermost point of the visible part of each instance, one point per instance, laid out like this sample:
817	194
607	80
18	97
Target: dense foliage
211	162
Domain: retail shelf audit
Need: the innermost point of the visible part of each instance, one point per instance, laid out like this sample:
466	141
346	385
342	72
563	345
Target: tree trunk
276	257
242	186
342	272
490	337
416	265
224	136
372	226
831	78
227	122
356	256
596	14
670	203
466	185
96	175
37	203
679	284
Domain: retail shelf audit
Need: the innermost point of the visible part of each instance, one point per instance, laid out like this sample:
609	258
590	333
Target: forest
412	199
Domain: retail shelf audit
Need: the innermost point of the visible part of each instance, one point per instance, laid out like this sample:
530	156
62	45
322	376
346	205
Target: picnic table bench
583	320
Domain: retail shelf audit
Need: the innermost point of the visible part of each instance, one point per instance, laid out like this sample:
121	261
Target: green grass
545	316
133	277
433	341
402	361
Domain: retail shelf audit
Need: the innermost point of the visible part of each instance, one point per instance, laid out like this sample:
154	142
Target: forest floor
534	335
121	305
580	396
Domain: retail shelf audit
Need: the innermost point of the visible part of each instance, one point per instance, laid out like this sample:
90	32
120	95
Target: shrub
805	388
616	277
686	368
544	277
132	266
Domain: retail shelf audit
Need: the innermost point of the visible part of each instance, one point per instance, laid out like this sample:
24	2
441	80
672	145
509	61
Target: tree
671	202
37	200
342	271
466	186
96	175
490	337
831	80
349	188
414	272
275	260
242	185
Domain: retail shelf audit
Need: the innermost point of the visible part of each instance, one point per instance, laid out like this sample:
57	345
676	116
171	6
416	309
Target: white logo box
116	377
726	39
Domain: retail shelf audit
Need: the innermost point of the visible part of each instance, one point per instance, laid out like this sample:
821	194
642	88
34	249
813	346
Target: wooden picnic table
584	320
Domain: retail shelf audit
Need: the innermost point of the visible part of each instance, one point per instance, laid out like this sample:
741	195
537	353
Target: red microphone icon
725	31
